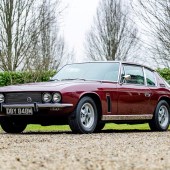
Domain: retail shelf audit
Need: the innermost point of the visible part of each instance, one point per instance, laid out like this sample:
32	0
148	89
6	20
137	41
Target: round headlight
2	98
47	97
56	97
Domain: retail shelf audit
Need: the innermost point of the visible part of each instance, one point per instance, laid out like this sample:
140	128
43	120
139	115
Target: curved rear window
150	78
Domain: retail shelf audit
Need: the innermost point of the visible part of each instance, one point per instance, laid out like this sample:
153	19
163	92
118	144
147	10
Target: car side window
136	75
150	78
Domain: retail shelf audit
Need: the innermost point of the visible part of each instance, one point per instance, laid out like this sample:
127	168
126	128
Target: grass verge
108	126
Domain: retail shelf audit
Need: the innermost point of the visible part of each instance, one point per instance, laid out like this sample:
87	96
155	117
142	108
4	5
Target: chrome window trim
144	76
119	74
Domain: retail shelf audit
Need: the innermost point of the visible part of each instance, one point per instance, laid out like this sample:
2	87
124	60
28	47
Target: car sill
127	117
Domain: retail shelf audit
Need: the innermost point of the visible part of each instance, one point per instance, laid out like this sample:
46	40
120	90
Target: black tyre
13	126
161	119
84	119
99	127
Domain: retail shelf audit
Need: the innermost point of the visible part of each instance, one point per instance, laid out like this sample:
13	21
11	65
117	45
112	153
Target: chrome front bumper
36	106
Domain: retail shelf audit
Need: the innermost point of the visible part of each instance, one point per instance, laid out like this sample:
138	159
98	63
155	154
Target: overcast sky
76	22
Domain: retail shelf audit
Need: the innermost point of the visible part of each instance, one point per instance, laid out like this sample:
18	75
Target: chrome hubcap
163	116
87	115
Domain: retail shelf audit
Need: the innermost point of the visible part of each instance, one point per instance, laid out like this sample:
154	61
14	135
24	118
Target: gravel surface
121	150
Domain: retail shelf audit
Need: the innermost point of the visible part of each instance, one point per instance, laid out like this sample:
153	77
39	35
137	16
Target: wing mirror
125	78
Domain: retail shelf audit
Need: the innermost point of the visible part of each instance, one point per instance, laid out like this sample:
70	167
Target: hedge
165	73
12	78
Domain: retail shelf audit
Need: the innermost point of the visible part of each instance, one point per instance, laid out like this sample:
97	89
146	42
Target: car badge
29	99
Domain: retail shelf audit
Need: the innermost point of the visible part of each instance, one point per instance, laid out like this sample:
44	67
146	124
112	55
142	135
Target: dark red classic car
88	95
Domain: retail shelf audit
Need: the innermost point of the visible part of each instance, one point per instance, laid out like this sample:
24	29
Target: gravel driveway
122	150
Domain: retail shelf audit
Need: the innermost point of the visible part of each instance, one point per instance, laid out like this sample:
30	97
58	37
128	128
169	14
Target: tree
29	35
48	46
113	36
156	18
14	25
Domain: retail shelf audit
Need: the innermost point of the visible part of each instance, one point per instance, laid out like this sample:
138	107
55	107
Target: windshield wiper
53	80
73	79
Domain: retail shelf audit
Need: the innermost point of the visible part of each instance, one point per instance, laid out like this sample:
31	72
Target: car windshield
89	71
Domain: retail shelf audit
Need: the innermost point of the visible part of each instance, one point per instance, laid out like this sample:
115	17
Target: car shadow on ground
108	131
128	131
102	132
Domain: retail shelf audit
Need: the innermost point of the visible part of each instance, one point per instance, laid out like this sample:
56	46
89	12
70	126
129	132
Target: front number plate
19	111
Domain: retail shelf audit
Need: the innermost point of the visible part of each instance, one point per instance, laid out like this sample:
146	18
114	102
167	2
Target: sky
77	21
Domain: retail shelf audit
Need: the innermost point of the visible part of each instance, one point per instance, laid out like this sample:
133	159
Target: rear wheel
84	118
13	126
161	119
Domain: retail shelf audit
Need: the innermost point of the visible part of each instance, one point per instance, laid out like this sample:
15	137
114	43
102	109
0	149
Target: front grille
22	98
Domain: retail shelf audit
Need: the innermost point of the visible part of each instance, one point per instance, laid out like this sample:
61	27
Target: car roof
123	62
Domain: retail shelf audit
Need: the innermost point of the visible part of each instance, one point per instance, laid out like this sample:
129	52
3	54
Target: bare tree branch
29	34
14	16
155	15
113	35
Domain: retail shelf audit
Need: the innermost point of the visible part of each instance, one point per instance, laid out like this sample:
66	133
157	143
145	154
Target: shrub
11	78
165	73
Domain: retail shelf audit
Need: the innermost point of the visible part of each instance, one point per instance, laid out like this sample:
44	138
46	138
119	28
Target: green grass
109	126
48	128
127	127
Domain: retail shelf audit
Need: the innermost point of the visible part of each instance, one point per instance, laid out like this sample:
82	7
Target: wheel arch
156	123
97	101
167	99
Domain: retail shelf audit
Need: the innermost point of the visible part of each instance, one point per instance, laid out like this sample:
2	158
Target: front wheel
161	119
99	127
13	126
84	118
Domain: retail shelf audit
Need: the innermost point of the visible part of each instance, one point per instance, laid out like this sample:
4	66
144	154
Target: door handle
147	94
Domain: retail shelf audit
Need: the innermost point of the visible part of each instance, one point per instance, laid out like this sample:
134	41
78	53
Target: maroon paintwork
125	99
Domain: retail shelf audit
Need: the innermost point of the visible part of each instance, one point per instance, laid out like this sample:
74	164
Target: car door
153	86
133	94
